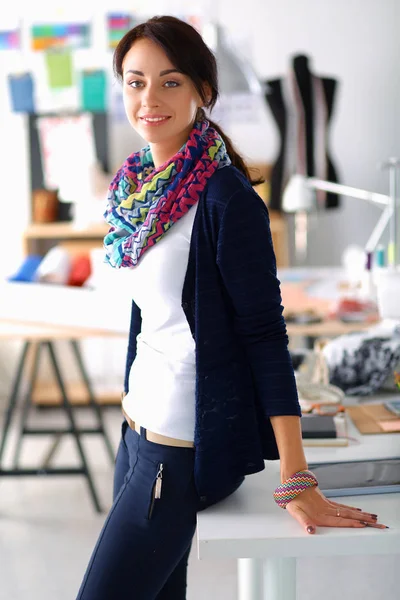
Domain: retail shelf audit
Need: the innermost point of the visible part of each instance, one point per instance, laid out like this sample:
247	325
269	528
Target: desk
266	540
35	339
327	328
315	289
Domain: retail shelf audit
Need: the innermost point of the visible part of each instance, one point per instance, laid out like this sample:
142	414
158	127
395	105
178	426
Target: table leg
267	579
74	430
250	579
92	401
279	578
13	399
36	347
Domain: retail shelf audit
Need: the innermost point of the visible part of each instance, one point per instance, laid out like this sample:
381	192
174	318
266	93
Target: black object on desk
318	426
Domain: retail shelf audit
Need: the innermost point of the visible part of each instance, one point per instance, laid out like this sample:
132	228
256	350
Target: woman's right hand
312	509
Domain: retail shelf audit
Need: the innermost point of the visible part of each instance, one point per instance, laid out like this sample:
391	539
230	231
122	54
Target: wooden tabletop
43	331
327	328
296	300
10	329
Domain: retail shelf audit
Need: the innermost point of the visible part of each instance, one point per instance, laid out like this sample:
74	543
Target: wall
355	41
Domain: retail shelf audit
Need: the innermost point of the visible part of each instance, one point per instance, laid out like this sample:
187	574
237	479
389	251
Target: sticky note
21	93
93	91
59	69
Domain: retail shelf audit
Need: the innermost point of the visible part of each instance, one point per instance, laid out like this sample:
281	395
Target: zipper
156	493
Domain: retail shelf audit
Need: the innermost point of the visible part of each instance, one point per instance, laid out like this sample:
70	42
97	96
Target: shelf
64	230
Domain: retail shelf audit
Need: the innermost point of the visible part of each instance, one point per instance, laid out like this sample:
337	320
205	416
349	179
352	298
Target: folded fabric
361	363
55	267
28	269
80	270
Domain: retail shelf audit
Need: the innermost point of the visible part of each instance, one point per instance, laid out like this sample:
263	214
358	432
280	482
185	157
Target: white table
266	540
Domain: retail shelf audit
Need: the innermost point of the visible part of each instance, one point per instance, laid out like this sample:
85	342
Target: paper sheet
59	69
93	91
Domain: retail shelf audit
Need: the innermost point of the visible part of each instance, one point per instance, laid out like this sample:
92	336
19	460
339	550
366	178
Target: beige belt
157	438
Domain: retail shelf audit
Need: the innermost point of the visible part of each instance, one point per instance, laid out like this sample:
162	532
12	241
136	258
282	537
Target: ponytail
235	157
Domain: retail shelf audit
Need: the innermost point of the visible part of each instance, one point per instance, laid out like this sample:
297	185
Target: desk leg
279	578
74	430
250	579
93	403
268	579
13	398
36	347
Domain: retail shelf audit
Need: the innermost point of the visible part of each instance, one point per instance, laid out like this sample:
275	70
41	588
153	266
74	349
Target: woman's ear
207	93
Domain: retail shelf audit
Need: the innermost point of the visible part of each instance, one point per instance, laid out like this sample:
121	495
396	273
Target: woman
209	389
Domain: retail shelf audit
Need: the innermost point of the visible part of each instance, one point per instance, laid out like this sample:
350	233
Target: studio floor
48	529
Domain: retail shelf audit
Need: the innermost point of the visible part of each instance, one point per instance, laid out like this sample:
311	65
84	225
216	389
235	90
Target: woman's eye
135	84
171	84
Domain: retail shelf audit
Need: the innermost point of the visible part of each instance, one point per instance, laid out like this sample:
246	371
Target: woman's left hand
312	509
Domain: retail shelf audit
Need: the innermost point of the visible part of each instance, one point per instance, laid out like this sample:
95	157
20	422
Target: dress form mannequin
302	105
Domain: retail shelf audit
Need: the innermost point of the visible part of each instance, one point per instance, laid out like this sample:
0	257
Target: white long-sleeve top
161	394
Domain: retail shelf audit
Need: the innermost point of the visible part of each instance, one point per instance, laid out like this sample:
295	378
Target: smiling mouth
154	120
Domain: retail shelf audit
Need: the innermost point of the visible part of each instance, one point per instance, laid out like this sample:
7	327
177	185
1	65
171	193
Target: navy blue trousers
143	549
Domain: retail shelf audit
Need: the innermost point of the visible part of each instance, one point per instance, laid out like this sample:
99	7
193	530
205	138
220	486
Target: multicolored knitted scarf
144	202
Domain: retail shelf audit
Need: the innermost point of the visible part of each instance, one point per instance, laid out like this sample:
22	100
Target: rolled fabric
55	267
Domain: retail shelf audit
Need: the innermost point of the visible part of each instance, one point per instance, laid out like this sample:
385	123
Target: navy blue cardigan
232	302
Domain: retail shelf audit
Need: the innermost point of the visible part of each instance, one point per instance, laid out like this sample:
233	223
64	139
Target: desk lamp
235	73
299	197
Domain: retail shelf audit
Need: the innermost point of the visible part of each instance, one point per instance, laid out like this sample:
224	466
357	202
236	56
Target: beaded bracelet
292	487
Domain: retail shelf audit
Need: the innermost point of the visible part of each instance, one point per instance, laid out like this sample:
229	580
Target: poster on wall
57	136
21	89
10	32
118	24
59	69
93	90
59	35
9	39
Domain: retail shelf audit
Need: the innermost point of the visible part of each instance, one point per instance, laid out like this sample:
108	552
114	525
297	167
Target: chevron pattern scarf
144	202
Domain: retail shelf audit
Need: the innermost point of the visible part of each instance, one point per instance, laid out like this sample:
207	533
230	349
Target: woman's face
160	102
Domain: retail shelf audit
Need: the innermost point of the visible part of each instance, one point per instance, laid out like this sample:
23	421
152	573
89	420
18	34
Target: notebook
323	430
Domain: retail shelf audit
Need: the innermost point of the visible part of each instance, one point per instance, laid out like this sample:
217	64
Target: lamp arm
379	229
346	190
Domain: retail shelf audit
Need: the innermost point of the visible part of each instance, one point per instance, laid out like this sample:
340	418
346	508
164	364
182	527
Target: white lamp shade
298	196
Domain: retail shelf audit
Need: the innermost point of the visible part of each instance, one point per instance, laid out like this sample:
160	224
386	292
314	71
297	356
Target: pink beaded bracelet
292	487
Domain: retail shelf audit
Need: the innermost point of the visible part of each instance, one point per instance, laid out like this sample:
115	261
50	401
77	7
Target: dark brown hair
188	52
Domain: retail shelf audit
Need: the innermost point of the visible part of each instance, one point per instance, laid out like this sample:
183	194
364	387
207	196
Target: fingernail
310	529
372	515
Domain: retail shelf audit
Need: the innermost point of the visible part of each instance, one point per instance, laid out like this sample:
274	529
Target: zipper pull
157	494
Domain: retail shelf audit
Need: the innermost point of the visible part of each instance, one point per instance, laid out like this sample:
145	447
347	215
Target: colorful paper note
59	69
118	25
9	40
21	93
60	35
93	91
